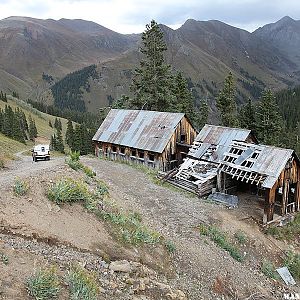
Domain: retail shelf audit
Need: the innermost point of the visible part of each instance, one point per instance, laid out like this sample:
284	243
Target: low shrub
241	237
74	164
44	284
88	171
69	190
102	188
82	284
130	227
221	239
20	187
292	261
269	270
74	155
170	246
1	164
4	258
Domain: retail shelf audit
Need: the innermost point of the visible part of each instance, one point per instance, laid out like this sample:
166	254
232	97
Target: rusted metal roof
140	129
269	161
218	136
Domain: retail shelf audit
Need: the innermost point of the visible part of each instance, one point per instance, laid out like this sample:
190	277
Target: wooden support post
285	196
297	196
219	181
269	205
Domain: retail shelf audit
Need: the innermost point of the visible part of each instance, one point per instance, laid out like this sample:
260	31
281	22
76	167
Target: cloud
132	15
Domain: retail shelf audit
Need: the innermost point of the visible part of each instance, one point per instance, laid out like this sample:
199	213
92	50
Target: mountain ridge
205	51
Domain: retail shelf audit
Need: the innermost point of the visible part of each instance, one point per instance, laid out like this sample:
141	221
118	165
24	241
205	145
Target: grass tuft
69	190
130	227
289	232
82	284
222	240
4	258
240	237
293	263
20	187
170	246
44	284
269	270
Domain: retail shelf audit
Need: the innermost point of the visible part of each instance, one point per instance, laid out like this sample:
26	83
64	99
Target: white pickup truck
41	152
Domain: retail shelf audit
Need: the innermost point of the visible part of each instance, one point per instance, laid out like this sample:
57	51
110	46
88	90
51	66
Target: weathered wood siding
289	183
165	161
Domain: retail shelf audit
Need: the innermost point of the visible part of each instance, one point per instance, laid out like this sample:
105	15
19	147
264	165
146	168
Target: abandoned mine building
156	139
270	172
198	173
229	161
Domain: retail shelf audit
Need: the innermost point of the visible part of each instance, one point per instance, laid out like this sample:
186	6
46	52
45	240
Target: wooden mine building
275	171
156	139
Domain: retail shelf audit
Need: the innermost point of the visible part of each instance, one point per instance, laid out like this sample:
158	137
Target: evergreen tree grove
226	103
268	119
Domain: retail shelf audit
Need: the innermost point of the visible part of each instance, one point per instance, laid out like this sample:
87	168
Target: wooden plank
269	205
297	196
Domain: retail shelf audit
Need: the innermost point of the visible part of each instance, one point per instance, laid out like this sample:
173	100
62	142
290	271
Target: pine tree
247	116
53	142
122	103
69	134
152	81
59	144
32	128
268	119
226	103
183	100
203	114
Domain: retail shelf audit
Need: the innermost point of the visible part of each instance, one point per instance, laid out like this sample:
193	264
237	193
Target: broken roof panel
270	161
140	129
219	136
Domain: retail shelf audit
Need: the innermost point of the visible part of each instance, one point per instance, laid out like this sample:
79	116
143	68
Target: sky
130	16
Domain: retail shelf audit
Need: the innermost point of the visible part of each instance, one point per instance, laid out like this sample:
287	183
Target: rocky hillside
205	52
284	35
54	48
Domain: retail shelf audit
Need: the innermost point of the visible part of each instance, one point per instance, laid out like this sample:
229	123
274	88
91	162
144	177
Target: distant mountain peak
286	19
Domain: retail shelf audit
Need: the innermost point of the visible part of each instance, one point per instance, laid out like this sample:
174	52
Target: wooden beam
285	196
297	196
269	205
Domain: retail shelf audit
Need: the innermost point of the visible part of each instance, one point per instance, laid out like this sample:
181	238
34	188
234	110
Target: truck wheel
35	159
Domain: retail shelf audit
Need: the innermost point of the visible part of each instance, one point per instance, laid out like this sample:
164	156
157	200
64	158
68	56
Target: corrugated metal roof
140	129
219	136
270	161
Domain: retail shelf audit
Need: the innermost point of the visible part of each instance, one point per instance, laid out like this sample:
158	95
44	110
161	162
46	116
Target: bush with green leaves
69	190
44	284
20	187
74	155
82	284
222	240
292	261
74	164
170	246
88	171
268	269
4	258
241	237
130	227
102	188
